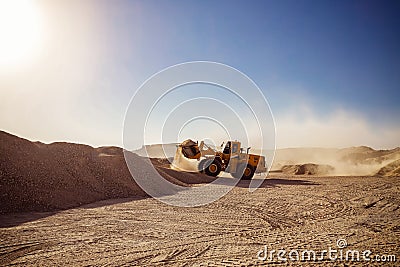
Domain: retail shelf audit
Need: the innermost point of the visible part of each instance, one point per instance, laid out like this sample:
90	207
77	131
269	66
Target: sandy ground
286	213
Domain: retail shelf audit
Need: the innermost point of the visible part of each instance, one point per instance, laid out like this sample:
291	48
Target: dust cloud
182	163
348	161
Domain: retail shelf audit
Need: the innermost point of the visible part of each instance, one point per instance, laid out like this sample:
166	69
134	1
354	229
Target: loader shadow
111	201
14	219
267	183
276	182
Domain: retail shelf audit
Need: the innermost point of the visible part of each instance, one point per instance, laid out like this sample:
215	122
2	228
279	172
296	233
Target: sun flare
20	32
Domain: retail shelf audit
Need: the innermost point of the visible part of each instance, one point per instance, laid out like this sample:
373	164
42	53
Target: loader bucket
190	149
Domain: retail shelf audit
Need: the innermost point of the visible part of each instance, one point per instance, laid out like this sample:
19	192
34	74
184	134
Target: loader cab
227	149
232	147
232	151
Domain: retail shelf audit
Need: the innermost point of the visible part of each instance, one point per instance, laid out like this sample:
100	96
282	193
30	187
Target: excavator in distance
232	159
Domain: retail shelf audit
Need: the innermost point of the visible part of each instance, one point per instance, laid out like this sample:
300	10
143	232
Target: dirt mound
307	169
40	177
361	160
161	162
390	170
43	177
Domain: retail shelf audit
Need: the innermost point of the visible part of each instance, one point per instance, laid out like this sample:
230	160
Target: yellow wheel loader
232	159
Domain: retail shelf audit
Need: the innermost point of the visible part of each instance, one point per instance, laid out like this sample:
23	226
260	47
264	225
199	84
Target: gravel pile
44	177
390	170
308	169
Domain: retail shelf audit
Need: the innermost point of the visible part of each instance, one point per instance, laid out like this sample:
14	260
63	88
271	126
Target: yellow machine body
232	159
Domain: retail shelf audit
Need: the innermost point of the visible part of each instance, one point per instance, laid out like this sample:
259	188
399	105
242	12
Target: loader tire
213	169
244	172
203	163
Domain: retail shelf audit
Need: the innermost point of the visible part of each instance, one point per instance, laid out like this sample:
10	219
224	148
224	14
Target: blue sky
340	53
320	64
